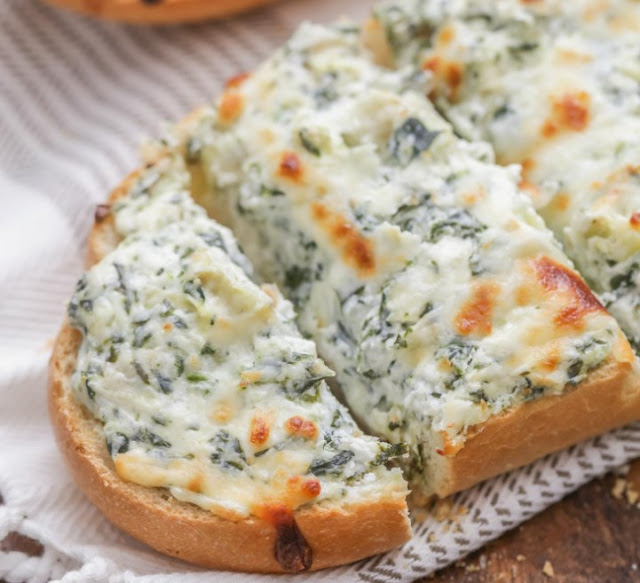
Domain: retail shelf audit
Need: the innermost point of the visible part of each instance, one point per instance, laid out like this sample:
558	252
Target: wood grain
588	537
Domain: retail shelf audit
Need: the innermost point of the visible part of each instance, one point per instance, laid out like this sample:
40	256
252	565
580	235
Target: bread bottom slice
608	399
337	534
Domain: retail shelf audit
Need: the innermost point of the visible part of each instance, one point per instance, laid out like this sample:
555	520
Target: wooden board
591	536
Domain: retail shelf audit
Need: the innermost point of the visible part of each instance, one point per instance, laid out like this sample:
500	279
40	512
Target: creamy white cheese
200	376
555	86
417	265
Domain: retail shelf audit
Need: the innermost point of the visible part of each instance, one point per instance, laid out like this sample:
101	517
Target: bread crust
609	398
336	534
167	12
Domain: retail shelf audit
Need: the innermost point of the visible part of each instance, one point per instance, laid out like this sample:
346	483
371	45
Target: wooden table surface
592	536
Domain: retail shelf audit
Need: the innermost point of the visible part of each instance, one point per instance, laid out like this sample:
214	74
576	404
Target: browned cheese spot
446	35
196	483
447	74
236	80
259	430
570	112
301	427
307	488
292	551
231	106
554	277
291	166
356	249
476	313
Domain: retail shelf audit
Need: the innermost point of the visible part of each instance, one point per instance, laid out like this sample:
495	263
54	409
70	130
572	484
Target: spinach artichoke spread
555	86
417	265
200	376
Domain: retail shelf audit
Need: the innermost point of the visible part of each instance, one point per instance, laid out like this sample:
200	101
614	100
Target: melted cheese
555	86
404	248
200	376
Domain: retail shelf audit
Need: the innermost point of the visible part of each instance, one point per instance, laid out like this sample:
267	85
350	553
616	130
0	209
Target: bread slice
576	138
305	537
335	535
341	190
172	12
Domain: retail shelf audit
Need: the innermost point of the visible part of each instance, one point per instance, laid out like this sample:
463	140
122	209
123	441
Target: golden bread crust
168	12
609	398
336	534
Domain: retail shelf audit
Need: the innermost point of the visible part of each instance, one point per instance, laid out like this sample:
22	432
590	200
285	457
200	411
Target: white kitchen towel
76	98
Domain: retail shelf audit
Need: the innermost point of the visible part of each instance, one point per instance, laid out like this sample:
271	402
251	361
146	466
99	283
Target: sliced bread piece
191	411
452	316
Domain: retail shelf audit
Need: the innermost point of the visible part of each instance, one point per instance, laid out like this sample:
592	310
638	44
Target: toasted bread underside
168	12
607	399
336	534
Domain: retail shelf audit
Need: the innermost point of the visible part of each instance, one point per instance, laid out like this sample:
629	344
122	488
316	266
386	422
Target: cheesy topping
200	376
417	265
553	85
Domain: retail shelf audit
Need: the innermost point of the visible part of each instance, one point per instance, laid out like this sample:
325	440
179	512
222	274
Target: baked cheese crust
418	266
202	382
554	86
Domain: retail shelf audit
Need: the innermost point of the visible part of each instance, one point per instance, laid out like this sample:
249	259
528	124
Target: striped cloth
76	99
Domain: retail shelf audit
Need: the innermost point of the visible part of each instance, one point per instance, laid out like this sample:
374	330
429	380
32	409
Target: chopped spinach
117	443
214	239
196	377
163	382
574	370
435	222
626	280
207	350
90	391
458	354
410	140
113	353
227	451
308	143
145	436
194	289
123	285
267	191
389	452
179	364
295	276
141	336
144	377
334	465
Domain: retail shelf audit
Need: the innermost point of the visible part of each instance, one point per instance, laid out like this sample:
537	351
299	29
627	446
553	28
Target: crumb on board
618	488
623	488
446	510
547	569
520	558
442	509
